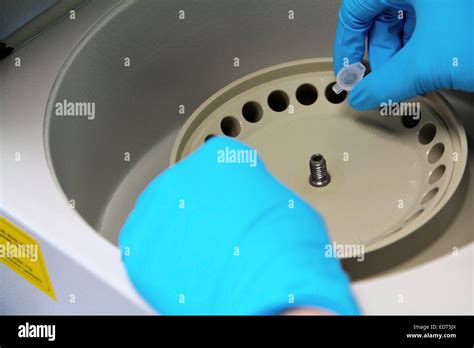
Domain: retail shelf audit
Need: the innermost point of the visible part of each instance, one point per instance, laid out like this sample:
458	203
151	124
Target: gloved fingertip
357	99
364	95
224	149
221	143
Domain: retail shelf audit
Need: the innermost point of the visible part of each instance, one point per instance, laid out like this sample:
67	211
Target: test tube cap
348	77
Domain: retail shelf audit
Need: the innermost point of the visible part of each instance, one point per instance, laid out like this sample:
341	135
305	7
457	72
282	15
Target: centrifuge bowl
156	103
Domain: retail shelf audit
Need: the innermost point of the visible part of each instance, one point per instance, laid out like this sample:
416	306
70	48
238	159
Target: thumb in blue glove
414	47
212	237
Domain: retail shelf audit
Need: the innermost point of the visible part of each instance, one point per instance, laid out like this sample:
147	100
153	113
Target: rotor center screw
319	175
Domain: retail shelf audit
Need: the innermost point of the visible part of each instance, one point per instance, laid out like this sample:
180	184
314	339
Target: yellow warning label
22	254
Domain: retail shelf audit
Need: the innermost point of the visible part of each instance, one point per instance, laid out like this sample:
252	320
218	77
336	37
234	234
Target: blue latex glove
220	238
431	47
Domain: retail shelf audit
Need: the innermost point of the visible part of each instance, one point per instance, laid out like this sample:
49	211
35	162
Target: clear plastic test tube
348	77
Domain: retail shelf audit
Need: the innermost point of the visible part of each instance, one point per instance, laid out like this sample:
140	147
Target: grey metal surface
28	19
15	13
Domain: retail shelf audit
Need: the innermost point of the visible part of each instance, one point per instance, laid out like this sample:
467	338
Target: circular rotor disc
389	174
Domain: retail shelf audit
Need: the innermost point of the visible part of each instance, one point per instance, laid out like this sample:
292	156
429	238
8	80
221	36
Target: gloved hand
207	237
427	46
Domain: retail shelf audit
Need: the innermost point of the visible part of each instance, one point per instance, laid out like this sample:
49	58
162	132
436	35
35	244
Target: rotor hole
252	112
278	101
306	94
435	153
427	133
414	216
436	174
428	196
332	97
230	126
410	122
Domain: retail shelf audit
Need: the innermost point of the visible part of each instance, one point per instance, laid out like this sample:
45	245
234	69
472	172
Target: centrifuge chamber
150	69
